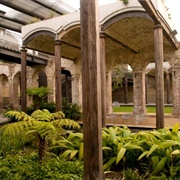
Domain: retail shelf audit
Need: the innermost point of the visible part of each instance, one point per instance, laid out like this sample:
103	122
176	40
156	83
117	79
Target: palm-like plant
45	125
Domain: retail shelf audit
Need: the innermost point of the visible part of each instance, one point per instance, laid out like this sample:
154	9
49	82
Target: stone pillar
51	84
126	90
23	80
75	78
11	93
159	74
1	96
139	93
146	88
109	92
16	93
58	93
103	77
168	88
176	90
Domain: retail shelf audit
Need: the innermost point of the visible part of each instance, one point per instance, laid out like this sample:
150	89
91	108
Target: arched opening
122	84
151	87
42	79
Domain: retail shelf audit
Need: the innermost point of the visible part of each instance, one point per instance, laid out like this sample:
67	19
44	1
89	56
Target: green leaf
143	154
120	155
109	163
175	152
132	146
160	166
175	128
106	148
65	153
169	143
73	153
153	148
155	161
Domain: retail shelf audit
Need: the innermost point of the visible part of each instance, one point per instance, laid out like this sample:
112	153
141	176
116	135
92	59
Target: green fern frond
44	129
42	115
19	115
66	123
58	115
16	128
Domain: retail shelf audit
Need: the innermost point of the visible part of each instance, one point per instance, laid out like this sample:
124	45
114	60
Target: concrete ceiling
132	34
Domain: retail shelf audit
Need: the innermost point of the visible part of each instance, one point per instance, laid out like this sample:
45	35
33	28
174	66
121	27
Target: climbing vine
125	1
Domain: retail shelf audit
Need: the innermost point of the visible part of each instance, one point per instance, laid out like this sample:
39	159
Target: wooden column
168	88
158	55
58	93
23	80
91	90
103	77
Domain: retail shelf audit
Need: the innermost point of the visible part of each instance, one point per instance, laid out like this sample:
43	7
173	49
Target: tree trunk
42	148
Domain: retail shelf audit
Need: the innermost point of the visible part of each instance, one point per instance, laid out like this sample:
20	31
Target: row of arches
127	35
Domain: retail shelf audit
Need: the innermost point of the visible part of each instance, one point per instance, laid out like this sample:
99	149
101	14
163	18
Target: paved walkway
148	120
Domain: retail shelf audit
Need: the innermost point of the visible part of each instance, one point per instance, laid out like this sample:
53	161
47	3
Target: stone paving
148	120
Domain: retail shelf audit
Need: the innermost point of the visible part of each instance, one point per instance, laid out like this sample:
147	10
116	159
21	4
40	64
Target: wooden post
103	77
158	55
58	93
23	80
91	88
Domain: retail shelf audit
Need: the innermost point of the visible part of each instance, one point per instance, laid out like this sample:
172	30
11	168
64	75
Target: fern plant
46	126
38	95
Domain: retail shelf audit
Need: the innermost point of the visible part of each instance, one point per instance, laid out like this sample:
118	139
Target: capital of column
158	26
102	34
23	48
57	42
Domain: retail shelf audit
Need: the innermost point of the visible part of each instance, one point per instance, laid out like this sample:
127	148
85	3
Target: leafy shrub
26	166
51	107
71	110
38	94
154	152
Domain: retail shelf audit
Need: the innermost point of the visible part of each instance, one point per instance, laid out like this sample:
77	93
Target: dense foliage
26	167
71	110
145	155
38	95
